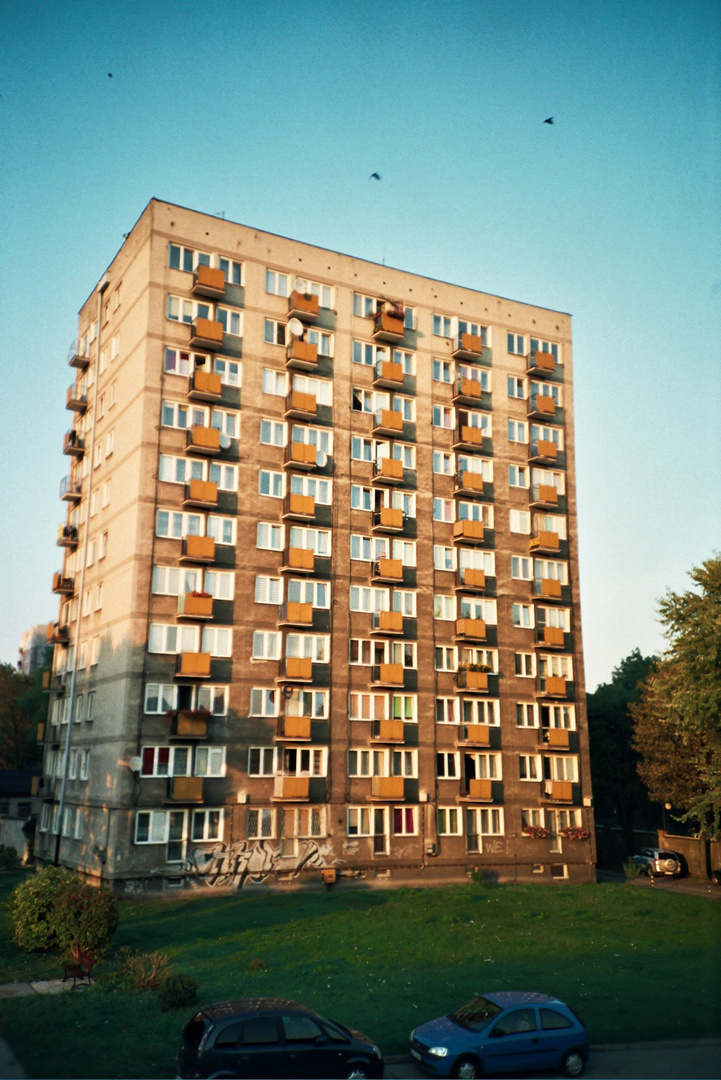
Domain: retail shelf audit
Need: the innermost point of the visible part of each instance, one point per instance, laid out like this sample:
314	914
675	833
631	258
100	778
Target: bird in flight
374	176
110	74
549	120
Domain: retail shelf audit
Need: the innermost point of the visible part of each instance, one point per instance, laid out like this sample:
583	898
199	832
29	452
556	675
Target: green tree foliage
22	706
618	792
56	909
677	722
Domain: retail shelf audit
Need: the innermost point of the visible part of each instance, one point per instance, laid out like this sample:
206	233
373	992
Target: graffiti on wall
249	862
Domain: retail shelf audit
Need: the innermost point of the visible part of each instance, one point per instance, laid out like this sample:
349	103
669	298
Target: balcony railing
205	386
193	665
544	450
299	507
467	347
70	490
67	536
301	560
190	724
203	440
206	334
296	788
545	541
548	589
387	674
469	483
387	787
554	686
303	306
559	790
541	363
195	605
75	400
301	455
388	374
544	495
389	519
474	629
297	669
300	406
388	324
468	438
293	613
390	570
471	580
199	549
555	738
476	734
541	405
73	444
302	355
388	471
63	586
185	789
387	422
387	622
295	728
208	281
388	731
552	637
202	493
470	532
57	634
480	790
476	681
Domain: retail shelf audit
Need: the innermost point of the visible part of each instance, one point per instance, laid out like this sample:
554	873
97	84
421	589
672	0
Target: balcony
388	323
300	406
387	471
541	363
472	681
467	392
388	375
203	493
467	347
390	731
544	451
386	622
67	536
198	549
190	724
293	613
542	406
551	637
555	738
301	355
73	444
548	589
470	580
479	790
299	507
387	422
195	605
185	789
546	542
205	386
387	675
468	532
63	586
203	440
469	483
297	669
300	455
57	634
544	495
208	281
558	790
76	401
206	334
389	519
471	629
70	490
468	438
303	306
299	560
294	728
389	570
387	787
78	359
193	665
293	788
554	686
476	735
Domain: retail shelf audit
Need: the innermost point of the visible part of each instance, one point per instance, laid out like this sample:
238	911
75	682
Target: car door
261	1053
514	1042
308	1050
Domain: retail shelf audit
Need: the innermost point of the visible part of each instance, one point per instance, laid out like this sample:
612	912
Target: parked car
272	1037
654	861
513	1031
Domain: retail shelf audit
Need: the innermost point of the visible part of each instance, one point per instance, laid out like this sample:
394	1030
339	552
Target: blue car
513	1031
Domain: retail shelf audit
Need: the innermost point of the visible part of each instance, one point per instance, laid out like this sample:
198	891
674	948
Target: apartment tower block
318	605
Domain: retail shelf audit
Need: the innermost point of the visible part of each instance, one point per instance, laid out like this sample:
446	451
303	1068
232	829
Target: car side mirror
321	1040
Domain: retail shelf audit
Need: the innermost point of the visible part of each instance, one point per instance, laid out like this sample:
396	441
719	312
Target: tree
618	792
677	721
22	706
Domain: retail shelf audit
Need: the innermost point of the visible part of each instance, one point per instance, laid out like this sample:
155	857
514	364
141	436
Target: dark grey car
653	861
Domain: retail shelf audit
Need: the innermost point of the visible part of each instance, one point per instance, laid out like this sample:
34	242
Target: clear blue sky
276	113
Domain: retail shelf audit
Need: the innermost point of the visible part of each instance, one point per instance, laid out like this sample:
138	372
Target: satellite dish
134	764
296	327
224	441
321	459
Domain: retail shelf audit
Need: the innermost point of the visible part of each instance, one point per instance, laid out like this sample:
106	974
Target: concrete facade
319	607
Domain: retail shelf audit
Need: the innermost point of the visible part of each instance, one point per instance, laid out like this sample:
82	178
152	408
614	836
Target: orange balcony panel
388	470
62	585
299	667
388	420
560	790
204	440
544	404
205	385
472	481
388	569
208	281
471	628
468	530
388	674
468	345
388	517
472	680
303	306
471	435
301	559
302	354
550	588
206	333
545	541
73	444
294	727
198	549
557	738
545	493
195	606
388	326
478	735
388	622
555	686
547	449
387	787
291	787
300	506
480	789
75	400
194	665
190	724
543	361
303	454
298	402
67	536
553	635
296	613
186	788
388	730
472	579
389	373
201	493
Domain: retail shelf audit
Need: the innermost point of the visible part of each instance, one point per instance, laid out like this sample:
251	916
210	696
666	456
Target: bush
631	869
177	992
138	972
9	859
55	909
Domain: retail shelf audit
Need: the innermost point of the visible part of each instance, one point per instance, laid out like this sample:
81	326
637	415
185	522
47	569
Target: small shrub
9	859
56	909
139	972
631	869
177	992
256	965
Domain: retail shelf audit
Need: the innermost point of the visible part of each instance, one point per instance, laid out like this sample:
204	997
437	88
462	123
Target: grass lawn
636	964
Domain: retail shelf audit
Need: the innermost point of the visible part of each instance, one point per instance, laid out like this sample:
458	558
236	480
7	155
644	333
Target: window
230	371
275	382
475	607
544	346
445	658
361	498
321	389
315	540
525	665
404	707
480	711
367	706
444	607
217	640
442	326
480	822
519	521
526	716
368	598
541	432
516	386
269	537
222	529
517	431
272	432
266	645
447	767
404	821
206	825
263	702
261	761
186	311
165	761
366	821
444	510
174	580
268	590
168	638
232	270
303	591
443	416
443	463
443	557
518	476
271	483
546	390
516	343
448	821
446	710
313	703
561	768
521	568
317	487
442	371
322	340
276	284
529	767
523	616
151	827
315	647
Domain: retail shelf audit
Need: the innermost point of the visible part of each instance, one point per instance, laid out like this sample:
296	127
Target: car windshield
475	1014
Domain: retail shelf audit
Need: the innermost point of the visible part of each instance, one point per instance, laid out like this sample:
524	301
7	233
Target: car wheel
573	1063
467	1068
